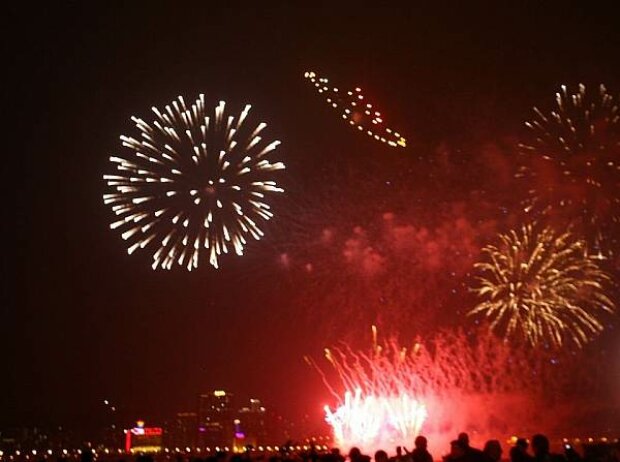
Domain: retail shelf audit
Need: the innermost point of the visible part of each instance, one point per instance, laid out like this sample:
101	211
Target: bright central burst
382	405
193	181
371	421
451	381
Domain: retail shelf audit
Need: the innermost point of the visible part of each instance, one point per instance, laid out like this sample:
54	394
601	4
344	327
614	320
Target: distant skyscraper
215	419
250	428
184	432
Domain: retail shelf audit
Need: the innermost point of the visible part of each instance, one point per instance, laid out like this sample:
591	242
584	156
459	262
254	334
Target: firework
438	386
376	421
573	159
380	408
542	287
356	111
193	181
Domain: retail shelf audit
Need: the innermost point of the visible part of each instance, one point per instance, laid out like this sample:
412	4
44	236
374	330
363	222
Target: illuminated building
141	439
184	430
250	425
215	419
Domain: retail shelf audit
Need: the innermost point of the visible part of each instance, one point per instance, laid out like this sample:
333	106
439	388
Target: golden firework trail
542	287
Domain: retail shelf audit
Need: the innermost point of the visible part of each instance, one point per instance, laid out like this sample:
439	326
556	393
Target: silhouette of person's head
355	454
540	445
381	456
421	442
457	449
463	439
493	450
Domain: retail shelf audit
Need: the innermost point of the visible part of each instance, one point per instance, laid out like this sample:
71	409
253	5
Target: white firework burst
193	181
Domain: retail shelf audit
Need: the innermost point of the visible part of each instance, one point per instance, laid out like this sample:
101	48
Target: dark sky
80	320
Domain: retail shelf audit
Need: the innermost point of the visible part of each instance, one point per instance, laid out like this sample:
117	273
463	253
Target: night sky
81	320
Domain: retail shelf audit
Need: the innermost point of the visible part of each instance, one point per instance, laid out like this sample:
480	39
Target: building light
219	393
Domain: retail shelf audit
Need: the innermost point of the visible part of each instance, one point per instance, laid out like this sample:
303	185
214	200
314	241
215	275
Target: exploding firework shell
356	111
370	421
192	182
494	387
573	161
542	287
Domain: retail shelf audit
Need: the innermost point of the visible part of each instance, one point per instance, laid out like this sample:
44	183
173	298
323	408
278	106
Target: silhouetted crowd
462	451
537	450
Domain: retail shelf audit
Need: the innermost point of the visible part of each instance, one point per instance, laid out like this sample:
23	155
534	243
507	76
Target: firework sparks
384	414
573	158
376	421
387	396
380	406
542	287
193	181
356	111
